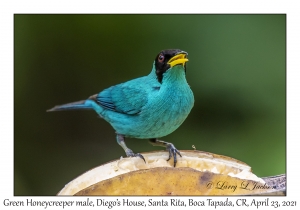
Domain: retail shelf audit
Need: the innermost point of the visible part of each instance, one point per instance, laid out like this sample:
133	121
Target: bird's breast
166	110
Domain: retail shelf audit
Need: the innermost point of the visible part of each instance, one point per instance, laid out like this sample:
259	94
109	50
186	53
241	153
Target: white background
9	8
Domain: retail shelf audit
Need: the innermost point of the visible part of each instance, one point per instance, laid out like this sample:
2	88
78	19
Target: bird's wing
128	98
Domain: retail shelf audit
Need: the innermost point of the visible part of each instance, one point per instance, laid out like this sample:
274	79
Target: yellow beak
178	59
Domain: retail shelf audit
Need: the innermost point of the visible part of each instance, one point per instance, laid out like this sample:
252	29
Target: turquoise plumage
148	107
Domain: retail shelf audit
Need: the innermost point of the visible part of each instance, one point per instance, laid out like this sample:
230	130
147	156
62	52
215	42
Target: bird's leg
169	146
129	152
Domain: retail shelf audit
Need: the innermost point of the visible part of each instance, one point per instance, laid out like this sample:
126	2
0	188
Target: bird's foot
130	153
169	146
172	152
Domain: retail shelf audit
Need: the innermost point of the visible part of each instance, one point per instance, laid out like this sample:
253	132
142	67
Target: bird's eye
161	58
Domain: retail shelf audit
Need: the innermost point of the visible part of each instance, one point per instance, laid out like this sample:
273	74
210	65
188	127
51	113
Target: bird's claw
172	152
141	156
130	153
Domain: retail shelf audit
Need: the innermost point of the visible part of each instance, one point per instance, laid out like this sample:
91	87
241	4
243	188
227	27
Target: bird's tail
85	104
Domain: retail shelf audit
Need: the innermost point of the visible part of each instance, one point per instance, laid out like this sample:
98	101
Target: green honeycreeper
148	107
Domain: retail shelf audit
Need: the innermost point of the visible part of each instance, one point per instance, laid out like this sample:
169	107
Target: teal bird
148	107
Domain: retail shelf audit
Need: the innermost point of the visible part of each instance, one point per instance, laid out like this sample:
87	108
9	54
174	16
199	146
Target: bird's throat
174	76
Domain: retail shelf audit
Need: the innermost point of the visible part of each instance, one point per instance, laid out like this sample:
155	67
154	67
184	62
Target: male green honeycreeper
148	107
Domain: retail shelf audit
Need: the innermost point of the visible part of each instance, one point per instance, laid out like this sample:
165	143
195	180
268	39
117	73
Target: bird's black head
167	59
